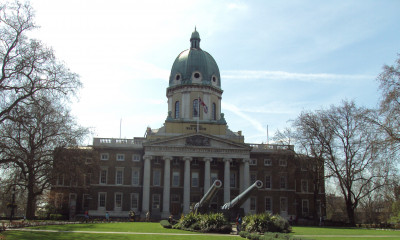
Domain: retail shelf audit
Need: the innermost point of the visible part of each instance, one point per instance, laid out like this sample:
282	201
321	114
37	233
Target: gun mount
232	208
206	199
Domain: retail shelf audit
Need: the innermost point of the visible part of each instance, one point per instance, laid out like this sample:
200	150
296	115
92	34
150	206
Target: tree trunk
350	213
31	203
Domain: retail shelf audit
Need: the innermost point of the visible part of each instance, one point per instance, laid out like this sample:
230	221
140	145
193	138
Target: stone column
146	185
207	174
246	183
227	178
166	191
186	186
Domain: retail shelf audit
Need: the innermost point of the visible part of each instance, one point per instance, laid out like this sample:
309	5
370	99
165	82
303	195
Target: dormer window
214	80
196	77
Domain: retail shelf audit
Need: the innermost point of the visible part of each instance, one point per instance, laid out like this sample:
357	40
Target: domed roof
195	66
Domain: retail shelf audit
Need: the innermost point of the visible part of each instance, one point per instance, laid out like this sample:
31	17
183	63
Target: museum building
169	169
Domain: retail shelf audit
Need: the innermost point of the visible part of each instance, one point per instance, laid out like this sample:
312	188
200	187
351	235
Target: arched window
176	109
196	108
214	111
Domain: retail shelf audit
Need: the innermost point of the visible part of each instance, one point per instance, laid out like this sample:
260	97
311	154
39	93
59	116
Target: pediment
197	140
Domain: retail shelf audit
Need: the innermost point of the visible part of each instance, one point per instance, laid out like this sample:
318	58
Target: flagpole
198	111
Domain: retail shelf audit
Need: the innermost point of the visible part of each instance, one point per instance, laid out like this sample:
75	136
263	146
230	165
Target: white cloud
281	75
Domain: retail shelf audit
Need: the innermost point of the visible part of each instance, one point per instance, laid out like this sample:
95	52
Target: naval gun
232	208
202	205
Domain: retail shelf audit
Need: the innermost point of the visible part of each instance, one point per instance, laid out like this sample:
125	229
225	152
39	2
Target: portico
185	149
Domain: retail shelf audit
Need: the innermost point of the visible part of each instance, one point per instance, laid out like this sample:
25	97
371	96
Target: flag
205	108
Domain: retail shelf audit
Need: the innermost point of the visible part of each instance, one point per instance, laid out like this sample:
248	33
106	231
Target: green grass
125	230
14	235
141	227
327	233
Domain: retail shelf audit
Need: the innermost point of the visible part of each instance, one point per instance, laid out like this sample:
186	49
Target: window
282	162
195	179
60	179
134	200
214	111
104	156
118	201
135	177
156	201
195	162
304	185
213	177
253	162
120	157
303	167
102	200
268	204
86	179
156	178
175	161
267	162
284	204
253	203
85	201
319	207
58	200
176	109
233	180
268	181
88	160
157	160
175	198
253	178
304	207
175	179
136	157
283	182
196	108
119	176
103	176
213	162
72	199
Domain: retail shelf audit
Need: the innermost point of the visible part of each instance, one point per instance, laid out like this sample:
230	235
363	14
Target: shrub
57	217
267	236
213	222
165	224
265	222
189	219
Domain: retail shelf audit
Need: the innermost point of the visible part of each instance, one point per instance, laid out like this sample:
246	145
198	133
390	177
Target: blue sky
276	58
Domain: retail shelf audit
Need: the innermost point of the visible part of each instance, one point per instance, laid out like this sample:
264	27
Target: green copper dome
195	66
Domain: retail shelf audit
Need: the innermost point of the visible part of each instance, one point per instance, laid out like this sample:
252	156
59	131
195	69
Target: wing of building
171	168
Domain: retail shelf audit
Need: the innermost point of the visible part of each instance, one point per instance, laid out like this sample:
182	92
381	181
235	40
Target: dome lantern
195	39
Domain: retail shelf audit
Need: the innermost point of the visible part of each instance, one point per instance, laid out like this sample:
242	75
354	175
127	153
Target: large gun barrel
241	198
206	199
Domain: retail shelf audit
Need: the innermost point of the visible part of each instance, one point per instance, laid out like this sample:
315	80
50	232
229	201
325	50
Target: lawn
111	231
327	233
141	230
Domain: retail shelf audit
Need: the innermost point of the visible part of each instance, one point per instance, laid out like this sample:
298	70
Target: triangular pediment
198	140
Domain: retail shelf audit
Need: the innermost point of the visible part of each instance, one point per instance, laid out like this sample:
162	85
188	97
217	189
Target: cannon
232	208
202	205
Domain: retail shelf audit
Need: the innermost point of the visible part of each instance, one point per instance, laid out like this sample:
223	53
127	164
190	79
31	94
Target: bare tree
29	144
306	134
350	147
28	69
